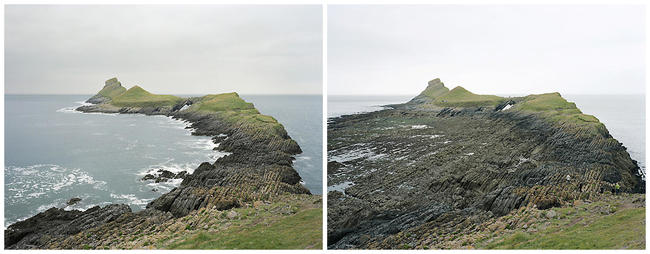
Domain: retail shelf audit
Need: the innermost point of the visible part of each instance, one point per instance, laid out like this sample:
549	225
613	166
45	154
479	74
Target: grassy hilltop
138	97
228	106
549	105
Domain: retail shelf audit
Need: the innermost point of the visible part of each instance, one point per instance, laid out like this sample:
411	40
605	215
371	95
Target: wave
73	109
42	180
131	199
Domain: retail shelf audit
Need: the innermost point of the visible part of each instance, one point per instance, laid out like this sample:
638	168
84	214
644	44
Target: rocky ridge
258	168
450	160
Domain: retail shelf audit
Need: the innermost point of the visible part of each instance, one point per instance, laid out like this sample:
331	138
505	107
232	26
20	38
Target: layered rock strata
450	160
259	167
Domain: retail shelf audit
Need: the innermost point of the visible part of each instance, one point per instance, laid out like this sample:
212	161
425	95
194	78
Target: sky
499	49
166	49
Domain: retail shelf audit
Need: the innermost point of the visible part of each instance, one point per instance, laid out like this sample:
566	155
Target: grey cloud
393	49
192	49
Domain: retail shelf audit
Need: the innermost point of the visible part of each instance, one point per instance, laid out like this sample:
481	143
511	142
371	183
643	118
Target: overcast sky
503	49
249	49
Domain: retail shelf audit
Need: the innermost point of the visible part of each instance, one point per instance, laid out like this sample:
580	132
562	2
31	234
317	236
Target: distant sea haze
623	115
53	153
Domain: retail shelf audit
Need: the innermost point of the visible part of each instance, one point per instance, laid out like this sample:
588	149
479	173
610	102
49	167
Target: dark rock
258	168
57	223
73	201
162	175
464	167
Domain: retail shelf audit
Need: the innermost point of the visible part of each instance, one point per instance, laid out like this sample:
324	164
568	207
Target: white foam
73	109
419	127
340	187
131	199
44	179
350	155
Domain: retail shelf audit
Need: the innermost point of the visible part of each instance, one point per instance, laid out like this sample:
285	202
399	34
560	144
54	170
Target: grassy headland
550	106
138	97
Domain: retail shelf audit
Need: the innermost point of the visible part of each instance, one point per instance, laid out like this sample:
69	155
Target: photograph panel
163	127
486	127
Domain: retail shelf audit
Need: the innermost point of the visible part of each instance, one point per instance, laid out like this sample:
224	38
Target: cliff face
259	168
450	160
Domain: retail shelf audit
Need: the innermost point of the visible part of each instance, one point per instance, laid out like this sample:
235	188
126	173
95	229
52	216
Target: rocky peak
434	89
112	82
112	88
435	82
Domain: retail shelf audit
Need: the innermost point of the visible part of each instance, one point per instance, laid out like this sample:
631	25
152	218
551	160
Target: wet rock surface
451	169
258	168
162	175
73	201
56	223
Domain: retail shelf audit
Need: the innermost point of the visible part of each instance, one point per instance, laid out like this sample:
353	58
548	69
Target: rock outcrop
450	160
258	168
112	89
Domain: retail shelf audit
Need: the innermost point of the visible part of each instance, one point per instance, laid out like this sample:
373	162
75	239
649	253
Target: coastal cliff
454	169
254	184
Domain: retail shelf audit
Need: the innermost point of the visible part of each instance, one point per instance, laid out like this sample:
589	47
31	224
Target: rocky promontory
450	164
257	171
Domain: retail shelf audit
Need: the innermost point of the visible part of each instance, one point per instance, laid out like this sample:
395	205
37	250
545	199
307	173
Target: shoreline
271	168
447	163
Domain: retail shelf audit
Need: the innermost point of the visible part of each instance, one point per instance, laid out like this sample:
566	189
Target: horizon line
168	94
491	94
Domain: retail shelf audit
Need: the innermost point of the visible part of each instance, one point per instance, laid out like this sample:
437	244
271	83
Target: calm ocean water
53	153
338	105
624	115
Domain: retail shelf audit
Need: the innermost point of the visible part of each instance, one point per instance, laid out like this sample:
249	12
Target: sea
623	115
54	153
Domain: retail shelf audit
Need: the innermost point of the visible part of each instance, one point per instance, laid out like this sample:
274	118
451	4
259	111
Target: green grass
550	106
460	97
298	231
138	97
234	109
434	89
547	101
558	110
112	89
615	231
223	102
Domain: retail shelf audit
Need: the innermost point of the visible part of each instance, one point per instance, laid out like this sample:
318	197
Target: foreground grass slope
301	230
283	222
614	222
606	222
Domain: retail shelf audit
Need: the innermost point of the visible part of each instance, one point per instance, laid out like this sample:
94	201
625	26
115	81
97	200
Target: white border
324	3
